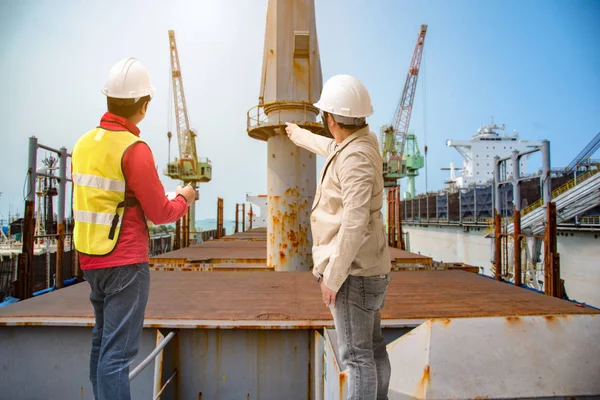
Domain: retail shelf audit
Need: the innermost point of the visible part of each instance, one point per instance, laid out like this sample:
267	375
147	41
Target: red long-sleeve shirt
142	183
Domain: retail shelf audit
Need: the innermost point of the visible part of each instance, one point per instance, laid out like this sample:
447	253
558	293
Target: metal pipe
25	272
251	216
243	217
41	146
497	221
552	279
219	218
151	356
51	235
62	184
60	253
33	146
177	244
157	396
38	174
516	159
475	204
517	248
497	246
26	265
497	200
158	366
399	218
516	174
546	186
60	244
237	218
391	213
460	193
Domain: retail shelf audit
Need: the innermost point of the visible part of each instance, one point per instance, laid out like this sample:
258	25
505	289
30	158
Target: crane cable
424	90
169	97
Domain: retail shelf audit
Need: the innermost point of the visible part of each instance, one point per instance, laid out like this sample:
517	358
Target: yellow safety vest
99	189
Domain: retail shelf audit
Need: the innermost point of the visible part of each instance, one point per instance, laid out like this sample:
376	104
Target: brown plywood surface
252	245
295	296
401	256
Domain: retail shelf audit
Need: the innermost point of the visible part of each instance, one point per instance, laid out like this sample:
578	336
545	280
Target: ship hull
578	251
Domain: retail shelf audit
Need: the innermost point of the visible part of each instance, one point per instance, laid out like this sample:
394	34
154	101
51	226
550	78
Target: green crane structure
400	150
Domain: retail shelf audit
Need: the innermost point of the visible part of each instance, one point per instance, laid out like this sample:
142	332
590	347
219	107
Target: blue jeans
358	324
119	297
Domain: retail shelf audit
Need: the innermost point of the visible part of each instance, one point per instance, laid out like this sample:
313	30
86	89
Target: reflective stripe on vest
99	182
99	189
94	218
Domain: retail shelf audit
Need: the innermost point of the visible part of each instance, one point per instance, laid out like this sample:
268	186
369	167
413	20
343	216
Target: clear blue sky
532	65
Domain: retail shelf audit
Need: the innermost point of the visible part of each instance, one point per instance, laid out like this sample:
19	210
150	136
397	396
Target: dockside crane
187	167
400	150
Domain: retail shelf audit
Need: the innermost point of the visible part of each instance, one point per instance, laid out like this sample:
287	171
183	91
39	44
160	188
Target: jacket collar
114	122
361	132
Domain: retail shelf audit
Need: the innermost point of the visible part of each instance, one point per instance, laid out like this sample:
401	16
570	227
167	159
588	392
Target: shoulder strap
128	202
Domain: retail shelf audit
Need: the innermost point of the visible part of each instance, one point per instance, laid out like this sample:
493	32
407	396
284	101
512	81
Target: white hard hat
344	95
128	79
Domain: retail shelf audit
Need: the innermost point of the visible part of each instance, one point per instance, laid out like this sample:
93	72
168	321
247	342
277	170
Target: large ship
456	222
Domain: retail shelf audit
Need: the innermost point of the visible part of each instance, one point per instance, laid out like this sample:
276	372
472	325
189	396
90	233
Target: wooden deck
271	300
250	247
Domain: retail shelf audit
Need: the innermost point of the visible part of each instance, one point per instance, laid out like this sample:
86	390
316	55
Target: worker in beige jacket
350	255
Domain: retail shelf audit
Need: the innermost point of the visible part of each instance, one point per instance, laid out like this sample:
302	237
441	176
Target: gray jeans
361	346
119	297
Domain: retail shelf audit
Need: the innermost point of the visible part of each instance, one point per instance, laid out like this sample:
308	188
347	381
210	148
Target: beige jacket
346	221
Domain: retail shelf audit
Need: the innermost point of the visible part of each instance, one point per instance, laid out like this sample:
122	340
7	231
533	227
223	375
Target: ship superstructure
479	152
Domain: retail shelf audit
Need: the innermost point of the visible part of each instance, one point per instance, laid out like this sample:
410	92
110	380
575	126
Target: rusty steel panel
293	300
218	249
204	267
244	364
64	372
399	256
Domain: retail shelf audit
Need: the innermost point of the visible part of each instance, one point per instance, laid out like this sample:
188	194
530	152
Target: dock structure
244	330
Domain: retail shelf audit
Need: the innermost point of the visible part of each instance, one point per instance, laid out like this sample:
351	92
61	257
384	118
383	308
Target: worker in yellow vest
116	190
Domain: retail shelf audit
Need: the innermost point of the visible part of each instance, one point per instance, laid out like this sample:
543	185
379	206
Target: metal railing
590	220
560	190
256	117
157	352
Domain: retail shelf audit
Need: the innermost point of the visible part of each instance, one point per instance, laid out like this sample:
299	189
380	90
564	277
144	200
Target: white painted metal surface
502	357
259	220
578	253
318	366
336	378
478	153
